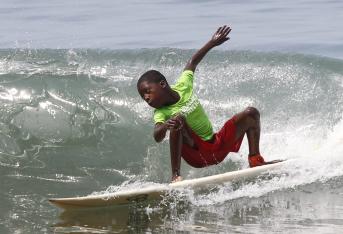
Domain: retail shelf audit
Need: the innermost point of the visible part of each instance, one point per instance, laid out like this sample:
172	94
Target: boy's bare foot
258	160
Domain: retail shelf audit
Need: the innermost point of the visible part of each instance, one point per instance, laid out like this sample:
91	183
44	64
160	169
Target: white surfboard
155	192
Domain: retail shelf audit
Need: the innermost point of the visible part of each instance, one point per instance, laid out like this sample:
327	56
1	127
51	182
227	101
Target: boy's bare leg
248	122
175	142
176	139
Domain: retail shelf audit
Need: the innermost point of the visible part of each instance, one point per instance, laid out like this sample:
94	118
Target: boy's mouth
150	103
154	104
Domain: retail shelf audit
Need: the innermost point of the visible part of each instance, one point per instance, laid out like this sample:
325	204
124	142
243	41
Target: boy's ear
163	83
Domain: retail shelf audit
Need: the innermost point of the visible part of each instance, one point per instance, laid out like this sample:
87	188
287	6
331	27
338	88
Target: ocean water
72	123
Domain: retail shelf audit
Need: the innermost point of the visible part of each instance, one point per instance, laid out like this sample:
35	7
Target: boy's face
152	93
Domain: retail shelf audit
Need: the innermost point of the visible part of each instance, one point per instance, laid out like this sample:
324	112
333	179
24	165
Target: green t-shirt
188	106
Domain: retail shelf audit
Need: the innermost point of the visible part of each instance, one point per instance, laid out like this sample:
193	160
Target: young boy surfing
178	110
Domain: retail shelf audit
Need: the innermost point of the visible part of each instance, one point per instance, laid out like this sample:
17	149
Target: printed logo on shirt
190	106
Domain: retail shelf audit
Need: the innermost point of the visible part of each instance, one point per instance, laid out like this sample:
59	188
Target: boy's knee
252	112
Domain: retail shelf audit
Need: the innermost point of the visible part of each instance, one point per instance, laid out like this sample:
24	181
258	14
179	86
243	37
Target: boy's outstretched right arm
217	39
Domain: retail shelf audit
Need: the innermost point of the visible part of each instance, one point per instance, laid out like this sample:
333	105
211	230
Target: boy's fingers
222	32
222	29
170	125
225	28
171	122
227	31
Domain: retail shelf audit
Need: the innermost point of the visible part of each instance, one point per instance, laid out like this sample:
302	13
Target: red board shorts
206	153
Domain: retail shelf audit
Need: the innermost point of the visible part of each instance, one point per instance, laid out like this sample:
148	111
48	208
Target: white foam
319	159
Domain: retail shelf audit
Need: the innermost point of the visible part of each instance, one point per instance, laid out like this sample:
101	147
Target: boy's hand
175	122
220	36
217	39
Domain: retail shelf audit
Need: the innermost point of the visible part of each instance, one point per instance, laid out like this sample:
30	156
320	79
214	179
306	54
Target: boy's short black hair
151	76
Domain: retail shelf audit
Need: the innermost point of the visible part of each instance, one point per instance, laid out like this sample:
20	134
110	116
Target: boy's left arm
217	39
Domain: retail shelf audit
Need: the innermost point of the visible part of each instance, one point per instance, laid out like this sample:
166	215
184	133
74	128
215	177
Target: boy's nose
147	98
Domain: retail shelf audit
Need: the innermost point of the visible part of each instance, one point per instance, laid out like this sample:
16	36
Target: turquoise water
72	123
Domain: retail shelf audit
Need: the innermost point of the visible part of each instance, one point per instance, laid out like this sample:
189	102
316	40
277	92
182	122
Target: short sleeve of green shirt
159	117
